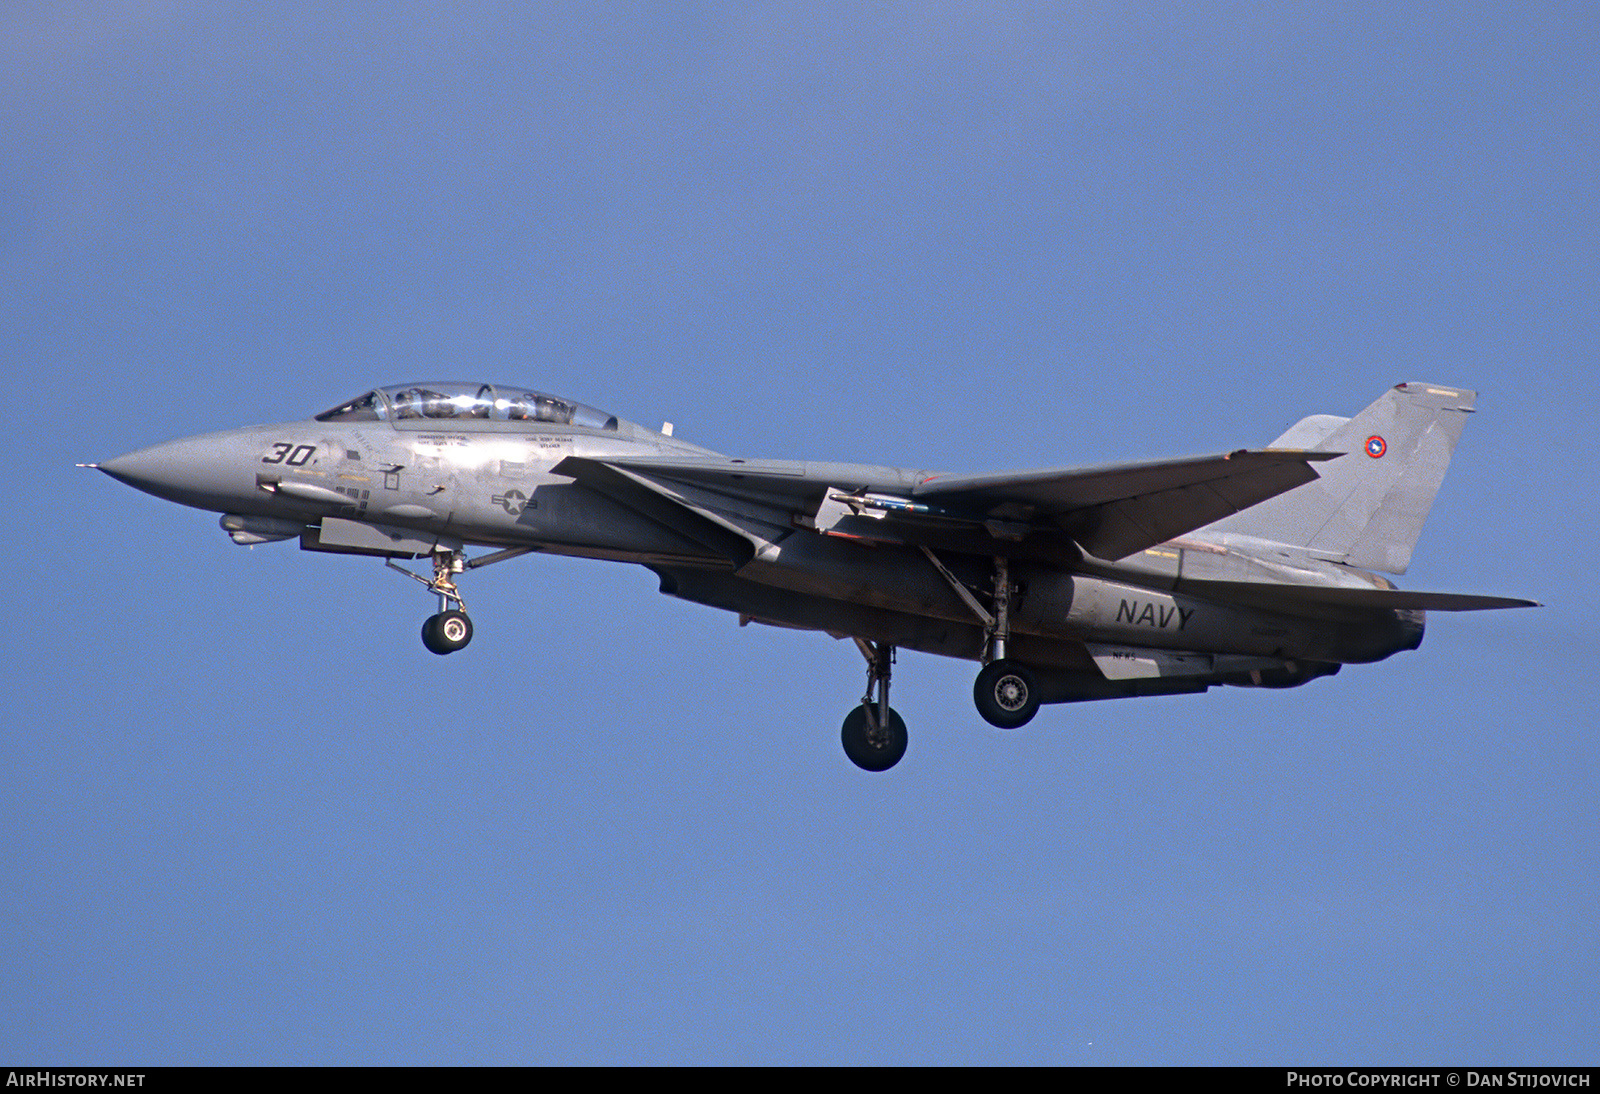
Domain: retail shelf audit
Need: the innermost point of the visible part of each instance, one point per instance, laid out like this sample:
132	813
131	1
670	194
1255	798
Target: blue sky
250	819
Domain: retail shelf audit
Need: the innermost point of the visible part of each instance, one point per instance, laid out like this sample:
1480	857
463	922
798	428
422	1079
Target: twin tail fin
1367	508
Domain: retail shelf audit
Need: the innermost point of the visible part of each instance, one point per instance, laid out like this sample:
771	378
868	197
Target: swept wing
1110	511
1117	510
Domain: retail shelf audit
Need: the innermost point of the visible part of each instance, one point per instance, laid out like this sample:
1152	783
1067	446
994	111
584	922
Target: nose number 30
292	455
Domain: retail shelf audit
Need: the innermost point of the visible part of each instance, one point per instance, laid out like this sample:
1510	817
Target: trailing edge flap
1266	595
1117	510
668	506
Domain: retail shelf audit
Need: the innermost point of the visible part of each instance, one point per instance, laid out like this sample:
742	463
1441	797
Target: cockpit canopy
456	402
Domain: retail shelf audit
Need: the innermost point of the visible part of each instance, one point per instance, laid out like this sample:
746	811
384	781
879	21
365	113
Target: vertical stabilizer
1367	508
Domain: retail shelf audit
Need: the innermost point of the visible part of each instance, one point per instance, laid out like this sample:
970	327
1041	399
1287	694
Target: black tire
1006	694
447	632
428	638
873	751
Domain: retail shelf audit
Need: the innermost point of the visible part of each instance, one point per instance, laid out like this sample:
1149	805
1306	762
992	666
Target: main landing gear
1004	693
874	736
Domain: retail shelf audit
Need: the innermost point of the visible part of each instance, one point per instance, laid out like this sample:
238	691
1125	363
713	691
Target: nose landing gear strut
450	629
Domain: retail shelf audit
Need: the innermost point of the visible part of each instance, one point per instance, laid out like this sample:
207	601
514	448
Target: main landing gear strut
1004	693
874	737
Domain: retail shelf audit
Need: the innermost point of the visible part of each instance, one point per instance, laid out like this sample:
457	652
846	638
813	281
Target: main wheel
873	749
447	632
1006	694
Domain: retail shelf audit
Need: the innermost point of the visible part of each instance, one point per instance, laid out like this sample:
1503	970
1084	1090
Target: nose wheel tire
870	747
1006	694
447	632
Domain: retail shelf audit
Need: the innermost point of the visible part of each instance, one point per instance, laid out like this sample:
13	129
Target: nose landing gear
447	632
450	629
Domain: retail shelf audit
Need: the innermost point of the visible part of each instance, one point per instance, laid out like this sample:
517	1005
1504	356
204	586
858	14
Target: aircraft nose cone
188	471
160	469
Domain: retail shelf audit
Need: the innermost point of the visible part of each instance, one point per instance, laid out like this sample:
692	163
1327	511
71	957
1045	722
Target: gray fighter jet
1250	568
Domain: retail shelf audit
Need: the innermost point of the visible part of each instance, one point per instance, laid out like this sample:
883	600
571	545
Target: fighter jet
1251	568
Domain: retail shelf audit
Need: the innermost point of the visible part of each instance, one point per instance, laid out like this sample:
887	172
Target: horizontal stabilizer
1266	595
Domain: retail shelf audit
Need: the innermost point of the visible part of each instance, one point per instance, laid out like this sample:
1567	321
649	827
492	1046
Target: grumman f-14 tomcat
1251	568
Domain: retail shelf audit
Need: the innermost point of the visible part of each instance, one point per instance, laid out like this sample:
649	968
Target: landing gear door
353	537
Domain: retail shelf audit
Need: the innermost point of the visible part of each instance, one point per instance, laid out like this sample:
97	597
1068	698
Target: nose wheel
450	629
447	632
